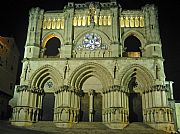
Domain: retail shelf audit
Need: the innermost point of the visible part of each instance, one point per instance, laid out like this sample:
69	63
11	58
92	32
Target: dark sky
14	23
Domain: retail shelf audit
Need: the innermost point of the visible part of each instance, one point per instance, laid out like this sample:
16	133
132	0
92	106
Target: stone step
43	124
143	128
93	128
94	125
138	125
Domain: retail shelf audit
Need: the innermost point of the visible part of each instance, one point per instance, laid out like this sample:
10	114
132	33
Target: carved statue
92	12
66	69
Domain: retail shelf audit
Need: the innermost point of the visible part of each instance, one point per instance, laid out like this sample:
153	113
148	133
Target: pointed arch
142	75
43	74
135	34
52	47
132	44
83	72
50	35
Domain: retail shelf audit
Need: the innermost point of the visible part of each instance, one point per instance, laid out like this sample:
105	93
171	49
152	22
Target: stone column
150	99
115	31
103	107
91	105
164	100
169	115
59	50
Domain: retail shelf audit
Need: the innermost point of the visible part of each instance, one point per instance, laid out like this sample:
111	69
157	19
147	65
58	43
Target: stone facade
177	105
94	74
9	57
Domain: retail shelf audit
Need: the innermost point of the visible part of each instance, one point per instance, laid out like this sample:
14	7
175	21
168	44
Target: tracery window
90	41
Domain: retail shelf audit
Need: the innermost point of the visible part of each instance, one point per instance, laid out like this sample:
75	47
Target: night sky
14	23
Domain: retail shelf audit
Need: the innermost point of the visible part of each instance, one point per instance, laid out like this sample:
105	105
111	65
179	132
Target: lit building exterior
107	66
9	57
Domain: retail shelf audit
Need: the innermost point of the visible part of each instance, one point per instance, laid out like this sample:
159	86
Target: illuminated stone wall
177	105
92	54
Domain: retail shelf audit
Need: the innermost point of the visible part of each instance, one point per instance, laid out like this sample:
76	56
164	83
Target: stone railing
88	53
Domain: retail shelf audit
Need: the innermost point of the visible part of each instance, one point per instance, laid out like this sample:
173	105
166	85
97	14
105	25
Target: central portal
91	107
91	101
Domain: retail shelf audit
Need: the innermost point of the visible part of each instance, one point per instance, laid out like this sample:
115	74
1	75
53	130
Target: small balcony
132	54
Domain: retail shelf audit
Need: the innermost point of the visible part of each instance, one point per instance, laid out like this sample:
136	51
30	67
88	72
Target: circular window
91	41
49	84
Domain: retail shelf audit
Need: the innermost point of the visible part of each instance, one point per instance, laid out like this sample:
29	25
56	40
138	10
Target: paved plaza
81	128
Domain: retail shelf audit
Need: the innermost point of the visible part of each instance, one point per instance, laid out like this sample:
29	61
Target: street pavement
6	128
80	128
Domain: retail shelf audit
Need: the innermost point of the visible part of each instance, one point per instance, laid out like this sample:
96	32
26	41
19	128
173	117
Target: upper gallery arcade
104	28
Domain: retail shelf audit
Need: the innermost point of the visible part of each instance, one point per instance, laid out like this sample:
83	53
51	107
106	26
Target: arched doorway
52	47
91	100
132	47
137	80
45	79
91	80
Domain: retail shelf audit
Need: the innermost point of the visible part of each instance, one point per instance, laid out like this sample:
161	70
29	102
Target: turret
153	42
34	33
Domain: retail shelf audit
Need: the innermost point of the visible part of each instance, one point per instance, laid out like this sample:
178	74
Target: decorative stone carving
22	88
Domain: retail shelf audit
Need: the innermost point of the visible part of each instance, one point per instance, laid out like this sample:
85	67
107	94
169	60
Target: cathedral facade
94	62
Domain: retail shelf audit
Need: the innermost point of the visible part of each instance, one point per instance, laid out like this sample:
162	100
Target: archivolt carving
144	77
50	35
45	72
87	70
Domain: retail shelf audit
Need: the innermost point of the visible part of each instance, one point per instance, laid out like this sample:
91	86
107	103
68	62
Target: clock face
91	41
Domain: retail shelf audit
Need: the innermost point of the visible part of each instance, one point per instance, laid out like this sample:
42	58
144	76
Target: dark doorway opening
135	107
52	47
132	44
48	107
84	111
132	47
97	107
